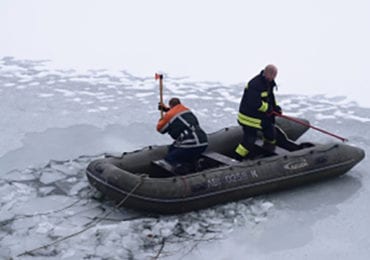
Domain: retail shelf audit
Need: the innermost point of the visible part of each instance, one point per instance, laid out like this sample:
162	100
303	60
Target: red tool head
158	76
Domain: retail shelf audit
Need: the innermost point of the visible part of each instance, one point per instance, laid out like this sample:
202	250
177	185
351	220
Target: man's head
270	72
173	102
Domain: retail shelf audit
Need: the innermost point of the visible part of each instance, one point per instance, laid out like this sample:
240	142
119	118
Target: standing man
183	126
255	112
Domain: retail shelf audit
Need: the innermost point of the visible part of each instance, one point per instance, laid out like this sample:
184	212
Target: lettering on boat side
218	181
254	173
296	164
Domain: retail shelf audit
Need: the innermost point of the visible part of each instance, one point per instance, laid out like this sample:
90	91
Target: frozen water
62	121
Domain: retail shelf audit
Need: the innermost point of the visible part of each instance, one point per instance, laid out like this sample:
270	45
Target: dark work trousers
178	155
271	133
250	136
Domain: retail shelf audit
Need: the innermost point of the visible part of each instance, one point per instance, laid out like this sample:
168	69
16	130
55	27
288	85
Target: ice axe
160	77
310	126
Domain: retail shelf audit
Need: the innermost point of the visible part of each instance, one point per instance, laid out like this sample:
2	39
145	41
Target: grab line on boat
311	171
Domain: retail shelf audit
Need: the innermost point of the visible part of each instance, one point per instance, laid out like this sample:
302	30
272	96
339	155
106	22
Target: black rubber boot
269	147
238	157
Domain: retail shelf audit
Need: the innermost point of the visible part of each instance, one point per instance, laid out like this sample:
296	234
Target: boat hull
127	179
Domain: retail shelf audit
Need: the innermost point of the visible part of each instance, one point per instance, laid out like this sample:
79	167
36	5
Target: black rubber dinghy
137	179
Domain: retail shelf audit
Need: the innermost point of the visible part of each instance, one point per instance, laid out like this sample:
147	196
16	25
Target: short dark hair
174	101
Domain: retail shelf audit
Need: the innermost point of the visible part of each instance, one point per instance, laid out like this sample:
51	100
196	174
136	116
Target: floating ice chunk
101	108
77	188
65	92
91	93
192	229
189	96
230	110
46	190
43	205
92	110
6	191
25	79
165	228
70	254
166	231
35	83
50	177
77	99
17	175
9	198
44	228
143	94
321	116
23	189
63	166
267	205
72	180
259	219
64	229
259	211
351	115
45	95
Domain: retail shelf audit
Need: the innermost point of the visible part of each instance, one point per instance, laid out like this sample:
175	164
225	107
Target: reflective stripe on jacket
183	126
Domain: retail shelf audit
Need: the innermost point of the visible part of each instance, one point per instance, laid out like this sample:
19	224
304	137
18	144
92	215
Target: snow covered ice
59	121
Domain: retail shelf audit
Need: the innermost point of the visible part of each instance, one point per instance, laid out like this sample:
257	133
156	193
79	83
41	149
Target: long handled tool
160	77
311	126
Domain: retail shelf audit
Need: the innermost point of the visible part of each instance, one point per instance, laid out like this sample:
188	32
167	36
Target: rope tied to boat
90	224
142	176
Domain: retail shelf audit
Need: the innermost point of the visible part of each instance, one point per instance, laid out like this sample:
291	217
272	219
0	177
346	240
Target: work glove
278	110
163	107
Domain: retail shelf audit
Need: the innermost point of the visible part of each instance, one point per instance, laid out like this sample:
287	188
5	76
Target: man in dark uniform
190	141
256	113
